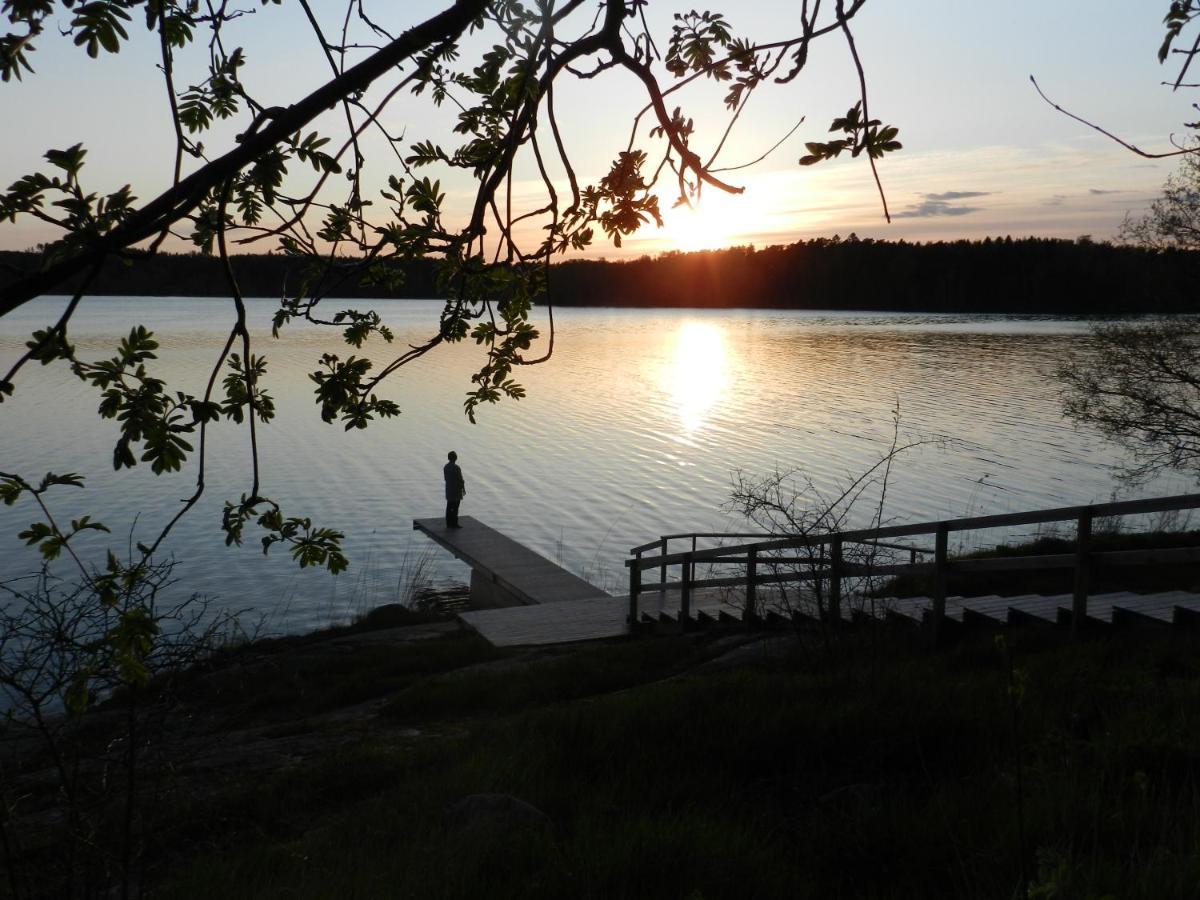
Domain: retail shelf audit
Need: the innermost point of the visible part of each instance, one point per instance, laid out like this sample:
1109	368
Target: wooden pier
593	619
519	597
505	573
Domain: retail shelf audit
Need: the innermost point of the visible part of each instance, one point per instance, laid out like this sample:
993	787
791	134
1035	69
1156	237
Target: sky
983	154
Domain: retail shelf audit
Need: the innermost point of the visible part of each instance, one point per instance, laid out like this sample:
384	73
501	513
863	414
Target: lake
632	430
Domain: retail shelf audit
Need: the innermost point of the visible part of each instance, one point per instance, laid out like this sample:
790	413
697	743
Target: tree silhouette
1173	222
1139	384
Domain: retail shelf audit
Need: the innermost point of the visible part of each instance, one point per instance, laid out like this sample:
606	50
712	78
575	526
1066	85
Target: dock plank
561	622
526	575
1040	609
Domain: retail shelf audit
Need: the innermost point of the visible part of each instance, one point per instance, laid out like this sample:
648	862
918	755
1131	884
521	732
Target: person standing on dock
456	489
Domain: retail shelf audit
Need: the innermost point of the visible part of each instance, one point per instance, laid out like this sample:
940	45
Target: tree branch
171	205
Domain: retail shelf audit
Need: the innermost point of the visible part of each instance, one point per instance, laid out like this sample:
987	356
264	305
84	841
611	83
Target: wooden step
1102	607
1129	608
1187	609
1038	609
909	609
991	610
954	609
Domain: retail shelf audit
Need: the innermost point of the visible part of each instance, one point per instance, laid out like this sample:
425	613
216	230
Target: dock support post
835	579
941	547
662	571
751	577
685	593
1083	565
635	587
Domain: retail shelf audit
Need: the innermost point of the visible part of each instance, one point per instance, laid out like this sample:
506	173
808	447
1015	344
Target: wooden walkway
605	617
596	619
503	572
542	603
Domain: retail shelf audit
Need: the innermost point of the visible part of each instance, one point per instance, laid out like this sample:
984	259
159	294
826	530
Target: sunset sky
983	154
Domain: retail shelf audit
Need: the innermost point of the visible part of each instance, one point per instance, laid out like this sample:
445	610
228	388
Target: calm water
631	431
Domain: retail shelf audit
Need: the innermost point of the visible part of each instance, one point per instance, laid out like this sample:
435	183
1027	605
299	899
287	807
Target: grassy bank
861	767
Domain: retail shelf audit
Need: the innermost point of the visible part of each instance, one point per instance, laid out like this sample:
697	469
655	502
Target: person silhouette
456	489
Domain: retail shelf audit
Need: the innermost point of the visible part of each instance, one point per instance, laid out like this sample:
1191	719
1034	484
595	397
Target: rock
853	796
495	811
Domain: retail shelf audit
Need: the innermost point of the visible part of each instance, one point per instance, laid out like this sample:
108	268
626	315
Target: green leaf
69	160
10	490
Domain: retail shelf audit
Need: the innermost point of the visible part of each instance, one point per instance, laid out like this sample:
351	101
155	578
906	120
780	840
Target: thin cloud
942	204
1055	200
1097	192
956	195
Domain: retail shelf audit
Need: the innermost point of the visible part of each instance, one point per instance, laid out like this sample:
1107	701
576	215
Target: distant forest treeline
1029	275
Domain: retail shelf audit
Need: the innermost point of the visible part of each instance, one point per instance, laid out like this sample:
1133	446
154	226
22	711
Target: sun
693	229
716	220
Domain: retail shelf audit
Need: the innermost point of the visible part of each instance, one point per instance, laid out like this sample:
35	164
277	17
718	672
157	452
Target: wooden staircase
1115	609
828	563
603	618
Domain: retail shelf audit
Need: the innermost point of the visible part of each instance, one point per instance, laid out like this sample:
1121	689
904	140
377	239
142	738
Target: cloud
1096	192
1055	200
956	195
942	205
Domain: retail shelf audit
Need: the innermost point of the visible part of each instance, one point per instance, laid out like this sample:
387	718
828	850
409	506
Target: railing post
1083	565
912	557
662	572
751	576
835	579
817	580
685	592
941	546
635	587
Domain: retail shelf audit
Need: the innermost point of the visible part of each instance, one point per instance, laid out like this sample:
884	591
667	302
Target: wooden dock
519	597
594	619
505	573
606	617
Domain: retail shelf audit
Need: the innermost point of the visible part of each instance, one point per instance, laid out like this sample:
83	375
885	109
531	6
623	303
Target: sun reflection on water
697	379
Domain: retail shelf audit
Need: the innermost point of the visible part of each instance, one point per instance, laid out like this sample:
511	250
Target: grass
280	680
873	770
577	673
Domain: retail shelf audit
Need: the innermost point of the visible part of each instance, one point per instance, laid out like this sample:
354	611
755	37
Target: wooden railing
828	562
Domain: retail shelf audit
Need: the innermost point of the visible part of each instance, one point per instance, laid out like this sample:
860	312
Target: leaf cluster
1179	14
341	392
84	216
621	203
871	136
46	535
695	40
308	545
217	97
97	25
